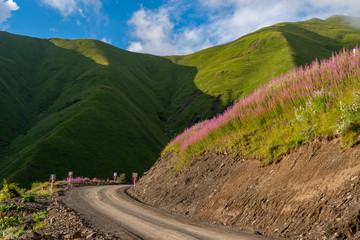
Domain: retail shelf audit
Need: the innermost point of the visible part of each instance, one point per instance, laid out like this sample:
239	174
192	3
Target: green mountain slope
89	107
347	21
82	105
237	68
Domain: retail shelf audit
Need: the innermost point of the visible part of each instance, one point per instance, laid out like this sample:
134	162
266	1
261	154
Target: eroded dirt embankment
311	193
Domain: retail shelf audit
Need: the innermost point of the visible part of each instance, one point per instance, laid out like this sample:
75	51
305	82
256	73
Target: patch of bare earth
311	193
60	221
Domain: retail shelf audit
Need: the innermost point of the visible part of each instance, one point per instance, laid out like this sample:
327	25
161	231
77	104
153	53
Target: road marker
134	177
70	176
115	176
52	180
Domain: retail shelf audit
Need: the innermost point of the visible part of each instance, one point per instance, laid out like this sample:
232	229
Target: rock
91	235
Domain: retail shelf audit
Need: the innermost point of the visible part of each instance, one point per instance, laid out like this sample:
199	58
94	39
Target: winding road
112	210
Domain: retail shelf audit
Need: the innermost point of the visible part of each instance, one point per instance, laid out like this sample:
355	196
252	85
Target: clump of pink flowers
292	89
84	179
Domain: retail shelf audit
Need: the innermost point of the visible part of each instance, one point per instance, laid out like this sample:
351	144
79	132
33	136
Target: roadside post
70	176
134	177
115	176
52	180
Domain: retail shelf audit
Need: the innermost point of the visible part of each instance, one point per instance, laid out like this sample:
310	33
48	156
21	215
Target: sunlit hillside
88	107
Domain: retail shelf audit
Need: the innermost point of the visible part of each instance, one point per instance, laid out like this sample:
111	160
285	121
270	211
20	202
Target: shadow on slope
94	118
308	45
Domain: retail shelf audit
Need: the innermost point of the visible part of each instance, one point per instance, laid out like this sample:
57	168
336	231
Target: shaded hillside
89	107
85	106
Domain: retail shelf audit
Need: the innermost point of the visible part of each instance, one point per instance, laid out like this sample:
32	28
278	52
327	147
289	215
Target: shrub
9	222
9	190
38	225
5	208
12	232
28	198
20	208
39	217
349	119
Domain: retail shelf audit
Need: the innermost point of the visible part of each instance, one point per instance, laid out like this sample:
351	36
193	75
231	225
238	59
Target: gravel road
112	210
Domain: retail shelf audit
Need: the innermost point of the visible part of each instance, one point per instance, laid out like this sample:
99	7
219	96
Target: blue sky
161	27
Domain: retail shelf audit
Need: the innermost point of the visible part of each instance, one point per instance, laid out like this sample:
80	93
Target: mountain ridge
89	107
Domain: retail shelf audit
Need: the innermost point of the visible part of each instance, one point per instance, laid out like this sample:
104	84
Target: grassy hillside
237	68
82	105
320	99
89	107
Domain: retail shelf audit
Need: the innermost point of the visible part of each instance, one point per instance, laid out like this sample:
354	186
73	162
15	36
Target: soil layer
313	192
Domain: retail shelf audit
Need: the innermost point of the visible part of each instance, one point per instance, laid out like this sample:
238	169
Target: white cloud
153	30
135	47
76	7
65	7
162	31
351	7
6	7
106	40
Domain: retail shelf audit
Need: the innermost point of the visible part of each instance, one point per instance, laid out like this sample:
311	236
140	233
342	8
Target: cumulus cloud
153	30
6	7
164	31
155	33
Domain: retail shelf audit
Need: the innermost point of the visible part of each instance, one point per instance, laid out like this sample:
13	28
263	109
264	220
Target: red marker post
52	180
134	177
70	176
115	176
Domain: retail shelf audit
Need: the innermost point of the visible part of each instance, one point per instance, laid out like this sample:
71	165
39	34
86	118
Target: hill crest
66	104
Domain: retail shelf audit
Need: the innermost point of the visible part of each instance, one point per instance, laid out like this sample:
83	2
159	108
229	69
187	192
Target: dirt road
111	209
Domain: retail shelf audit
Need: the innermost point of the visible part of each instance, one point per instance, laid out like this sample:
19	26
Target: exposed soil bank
311	193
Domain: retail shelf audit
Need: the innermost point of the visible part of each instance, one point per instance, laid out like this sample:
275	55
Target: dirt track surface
112	210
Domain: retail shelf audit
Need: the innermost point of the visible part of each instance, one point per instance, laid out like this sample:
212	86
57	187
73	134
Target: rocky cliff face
312	192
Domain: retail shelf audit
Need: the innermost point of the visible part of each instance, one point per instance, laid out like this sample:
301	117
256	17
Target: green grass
91	108
85	106
330	109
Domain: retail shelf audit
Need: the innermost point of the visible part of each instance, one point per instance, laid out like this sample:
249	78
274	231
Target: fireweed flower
325	78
